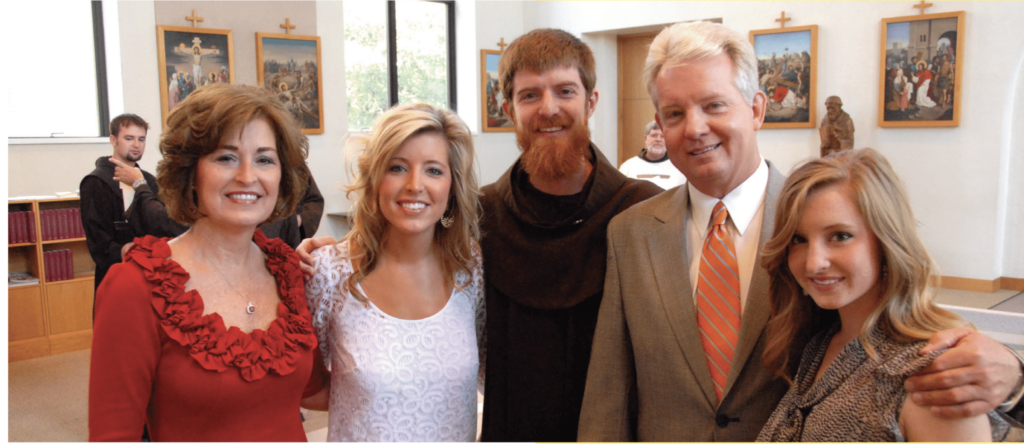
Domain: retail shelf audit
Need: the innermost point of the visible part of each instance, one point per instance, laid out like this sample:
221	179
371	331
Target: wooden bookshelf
48	318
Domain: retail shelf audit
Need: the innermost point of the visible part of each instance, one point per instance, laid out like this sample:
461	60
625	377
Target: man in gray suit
654	375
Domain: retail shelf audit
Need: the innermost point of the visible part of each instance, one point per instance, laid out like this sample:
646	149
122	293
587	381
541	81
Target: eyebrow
429	161
235	148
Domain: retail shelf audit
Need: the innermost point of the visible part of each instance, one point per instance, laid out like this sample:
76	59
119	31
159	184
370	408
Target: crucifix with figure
197	52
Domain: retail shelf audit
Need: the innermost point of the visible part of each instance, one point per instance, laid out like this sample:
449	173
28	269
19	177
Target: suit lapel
667	247
758	307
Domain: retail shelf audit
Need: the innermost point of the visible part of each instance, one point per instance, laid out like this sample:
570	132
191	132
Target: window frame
392	32
107	58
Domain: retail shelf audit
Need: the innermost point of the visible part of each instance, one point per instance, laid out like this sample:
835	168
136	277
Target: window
398	52
61	88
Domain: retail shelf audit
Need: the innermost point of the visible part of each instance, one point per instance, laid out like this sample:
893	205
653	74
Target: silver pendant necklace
249	309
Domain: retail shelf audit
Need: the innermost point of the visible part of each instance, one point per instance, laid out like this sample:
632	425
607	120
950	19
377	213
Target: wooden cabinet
48	317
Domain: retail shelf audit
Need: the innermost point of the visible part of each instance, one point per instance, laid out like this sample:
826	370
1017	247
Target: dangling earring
447	220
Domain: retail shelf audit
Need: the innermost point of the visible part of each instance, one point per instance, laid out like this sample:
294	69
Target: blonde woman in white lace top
398	304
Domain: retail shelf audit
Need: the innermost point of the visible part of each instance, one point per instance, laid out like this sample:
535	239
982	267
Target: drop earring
448	219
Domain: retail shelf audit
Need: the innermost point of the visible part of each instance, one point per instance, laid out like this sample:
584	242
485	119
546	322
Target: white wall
495	20
965	183
953	175
1012	171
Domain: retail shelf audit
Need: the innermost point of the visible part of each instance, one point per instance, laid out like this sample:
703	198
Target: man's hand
306	248
125	173
972	378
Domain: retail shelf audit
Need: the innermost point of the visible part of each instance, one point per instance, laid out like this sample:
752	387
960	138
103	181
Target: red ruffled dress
156	359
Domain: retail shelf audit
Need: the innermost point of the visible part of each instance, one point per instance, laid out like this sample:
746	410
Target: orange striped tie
718	299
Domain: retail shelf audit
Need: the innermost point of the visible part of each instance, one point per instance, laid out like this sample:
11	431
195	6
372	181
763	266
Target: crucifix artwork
197	52
189	58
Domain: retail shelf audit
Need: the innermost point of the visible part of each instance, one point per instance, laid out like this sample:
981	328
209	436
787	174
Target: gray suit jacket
648	378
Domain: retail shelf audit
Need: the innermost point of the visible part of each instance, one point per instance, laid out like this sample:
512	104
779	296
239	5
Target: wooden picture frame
176	52
934	45
787	73
290	65
492	116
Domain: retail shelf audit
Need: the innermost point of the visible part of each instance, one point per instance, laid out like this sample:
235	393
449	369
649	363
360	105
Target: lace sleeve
476	289
325	295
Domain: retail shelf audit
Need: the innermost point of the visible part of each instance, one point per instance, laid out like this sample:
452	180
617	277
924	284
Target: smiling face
413	193
834	256
710	131
550	111
237	183
129	143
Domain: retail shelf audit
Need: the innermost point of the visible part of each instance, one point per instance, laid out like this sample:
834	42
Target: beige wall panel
635	115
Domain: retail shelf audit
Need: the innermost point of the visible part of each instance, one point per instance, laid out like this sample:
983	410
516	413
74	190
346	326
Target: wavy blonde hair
369	227
906	311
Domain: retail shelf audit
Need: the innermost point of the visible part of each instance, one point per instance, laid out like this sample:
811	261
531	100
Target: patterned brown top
857	398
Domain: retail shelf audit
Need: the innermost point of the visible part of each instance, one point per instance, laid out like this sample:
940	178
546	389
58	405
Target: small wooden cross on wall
502	44
922	6
783	19
194	18
288	26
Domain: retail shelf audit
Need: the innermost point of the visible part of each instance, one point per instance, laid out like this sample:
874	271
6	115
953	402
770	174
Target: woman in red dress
207	337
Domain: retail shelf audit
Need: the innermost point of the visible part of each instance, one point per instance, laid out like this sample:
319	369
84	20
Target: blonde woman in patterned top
847	267
398	303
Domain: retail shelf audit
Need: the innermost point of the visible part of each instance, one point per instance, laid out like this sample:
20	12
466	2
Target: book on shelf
16	278
31	226
19	226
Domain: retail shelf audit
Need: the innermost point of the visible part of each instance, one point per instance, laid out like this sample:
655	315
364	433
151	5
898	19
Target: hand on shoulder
305	252
973	377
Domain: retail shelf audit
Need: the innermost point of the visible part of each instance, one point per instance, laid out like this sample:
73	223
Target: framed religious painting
787	73
493	116
289	65
190	58
921	62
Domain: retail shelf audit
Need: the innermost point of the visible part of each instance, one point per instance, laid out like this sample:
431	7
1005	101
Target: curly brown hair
195	128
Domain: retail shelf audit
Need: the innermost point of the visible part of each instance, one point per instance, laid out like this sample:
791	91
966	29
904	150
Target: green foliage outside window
422	61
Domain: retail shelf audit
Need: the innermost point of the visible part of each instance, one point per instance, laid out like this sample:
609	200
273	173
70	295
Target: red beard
553	159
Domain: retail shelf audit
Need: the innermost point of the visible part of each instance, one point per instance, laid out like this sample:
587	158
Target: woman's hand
305	249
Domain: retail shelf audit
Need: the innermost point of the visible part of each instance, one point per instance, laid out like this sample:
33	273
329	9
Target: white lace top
395	379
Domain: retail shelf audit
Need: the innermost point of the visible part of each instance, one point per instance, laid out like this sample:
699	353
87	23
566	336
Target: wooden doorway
635	107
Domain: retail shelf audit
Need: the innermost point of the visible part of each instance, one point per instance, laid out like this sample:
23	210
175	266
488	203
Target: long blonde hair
390	130
906	311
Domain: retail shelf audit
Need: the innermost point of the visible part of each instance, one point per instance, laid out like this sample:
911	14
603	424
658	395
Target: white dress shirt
746	210
127	195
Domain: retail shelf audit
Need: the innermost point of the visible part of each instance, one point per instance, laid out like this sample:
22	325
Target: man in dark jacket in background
105	200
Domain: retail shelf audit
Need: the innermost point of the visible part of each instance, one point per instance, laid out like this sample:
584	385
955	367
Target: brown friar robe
544	267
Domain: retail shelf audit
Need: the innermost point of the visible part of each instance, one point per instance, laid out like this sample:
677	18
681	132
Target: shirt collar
742	202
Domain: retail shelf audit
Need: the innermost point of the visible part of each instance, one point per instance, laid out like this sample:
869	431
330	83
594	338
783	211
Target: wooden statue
836	128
